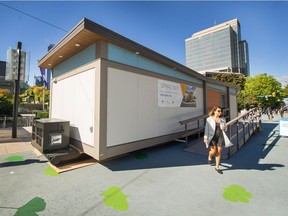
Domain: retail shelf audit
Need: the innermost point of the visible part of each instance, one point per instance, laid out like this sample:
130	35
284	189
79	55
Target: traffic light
273	94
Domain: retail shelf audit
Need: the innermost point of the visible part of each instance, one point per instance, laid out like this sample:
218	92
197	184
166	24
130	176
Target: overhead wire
36	18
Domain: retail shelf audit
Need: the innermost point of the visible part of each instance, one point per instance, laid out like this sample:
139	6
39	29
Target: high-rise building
218	49
2	70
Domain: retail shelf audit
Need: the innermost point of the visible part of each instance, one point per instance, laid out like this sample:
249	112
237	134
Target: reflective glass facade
218	48
244	58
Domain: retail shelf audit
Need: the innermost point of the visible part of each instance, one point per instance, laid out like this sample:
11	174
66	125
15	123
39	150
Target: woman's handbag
227	141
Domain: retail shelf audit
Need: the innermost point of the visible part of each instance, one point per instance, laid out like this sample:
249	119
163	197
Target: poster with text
283	127
171	94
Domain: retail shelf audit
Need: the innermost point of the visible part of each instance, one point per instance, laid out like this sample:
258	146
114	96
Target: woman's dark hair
211	113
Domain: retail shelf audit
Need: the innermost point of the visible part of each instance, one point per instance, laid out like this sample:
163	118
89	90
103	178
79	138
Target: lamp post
16	92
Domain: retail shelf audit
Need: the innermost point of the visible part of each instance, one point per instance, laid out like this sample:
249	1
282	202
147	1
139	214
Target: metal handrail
198	129
249	127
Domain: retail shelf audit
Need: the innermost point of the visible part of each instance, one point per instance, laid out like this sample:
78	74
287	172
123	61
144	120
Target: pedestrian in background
269	113
213	135
281	111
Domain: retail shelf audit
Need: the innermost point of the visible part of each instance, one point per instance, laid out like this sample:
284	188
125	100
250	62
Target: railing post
244	133
237	124
254	124
248	129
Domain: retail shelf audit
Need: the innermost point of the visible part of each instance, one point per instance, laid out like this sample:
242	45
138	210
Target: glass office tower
218	49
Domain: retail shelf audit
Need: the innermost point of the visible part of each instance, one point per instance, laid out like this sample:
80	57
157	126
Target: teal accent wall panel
121	55
166	71
147	64
218	87
187	77
81	58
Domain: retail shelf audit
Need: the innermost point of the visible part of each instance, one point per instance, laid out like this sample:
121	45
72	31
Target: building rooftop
214	28
87	32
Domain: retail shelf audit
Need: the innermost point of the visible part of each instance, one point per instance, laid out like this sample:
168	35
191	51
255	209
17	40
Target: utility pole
16	93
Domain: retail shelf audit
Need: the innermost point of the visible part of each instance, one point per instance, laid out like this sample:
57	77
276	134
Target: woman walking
213	135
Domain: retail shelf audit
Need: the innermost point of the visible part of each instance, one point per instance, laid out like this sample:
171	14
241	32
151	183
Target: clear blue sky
161	26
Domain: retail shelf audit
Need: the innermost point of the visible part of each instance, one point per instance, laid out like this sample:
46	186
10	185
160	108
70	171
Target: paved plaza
160	181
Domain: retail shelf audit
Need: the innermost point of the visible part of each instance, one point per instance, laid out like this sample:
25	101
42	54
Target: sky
161	26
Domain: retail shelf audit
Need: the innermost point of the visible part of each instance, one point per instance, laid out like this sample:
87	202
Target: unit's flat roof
86	32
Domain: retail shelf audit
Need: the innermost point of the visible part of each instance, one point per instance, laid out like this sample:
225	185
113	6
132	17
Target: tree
35	94
259	90
6	102
234	79
285	91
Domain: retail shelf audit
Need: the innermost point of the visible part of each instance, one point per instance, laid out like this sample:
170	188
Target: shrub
42	115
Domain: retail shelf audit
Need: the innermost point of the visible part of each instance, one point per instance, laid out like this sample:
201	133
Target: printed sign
171	94
55	139
283	127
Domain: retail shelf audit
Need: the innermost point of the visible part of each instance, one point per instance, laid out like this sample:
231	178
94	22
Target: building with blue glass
218	49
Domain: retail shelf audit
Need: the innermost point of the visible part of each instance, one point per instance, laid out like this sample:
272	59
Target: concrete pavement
160	181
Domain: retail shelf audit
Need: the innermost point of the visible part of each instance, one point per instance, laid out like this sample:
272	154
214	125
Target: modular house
120	96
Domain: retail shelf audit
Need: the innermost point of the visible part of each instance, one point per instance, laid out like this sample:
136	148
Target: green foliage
285	91
234	79
237	80
41	114
35	94
262	85
6	102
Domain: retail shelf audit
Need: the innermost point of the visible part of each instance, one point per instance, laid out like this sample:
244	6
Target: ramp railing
239	129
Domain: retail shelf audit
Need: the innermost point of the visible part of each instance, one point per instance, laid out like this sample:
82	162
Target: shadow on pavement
169	155
21	163
257	148
173	155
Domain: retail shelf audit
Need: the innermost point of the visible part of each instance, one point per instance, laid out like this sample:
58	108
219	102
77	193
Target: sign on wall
283	127
171	94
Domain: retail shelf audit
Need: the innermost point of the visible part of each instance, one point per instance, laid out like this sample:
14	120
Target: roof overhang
86	33
78	39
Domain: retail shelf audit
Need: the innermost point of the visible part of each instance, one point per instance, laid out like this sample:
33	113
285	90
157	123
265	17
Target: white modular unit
73	99
133	112
120	96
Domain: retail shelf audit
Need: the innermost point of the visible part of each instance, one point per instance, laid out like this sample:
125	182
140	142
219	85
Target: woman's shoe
219	171
210	162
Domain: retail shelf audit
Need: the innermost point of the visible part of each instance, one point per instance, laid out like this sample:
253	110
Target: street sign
263	96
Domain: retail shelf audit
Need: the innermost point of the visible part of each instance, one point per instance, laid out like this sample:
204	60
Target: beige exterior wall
133	112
